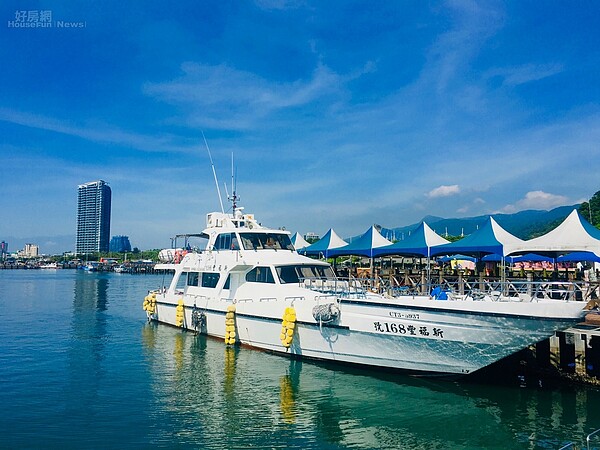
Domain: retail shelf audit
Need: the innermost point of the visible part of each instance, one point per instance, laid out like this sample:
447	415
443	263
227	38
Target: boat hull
425	338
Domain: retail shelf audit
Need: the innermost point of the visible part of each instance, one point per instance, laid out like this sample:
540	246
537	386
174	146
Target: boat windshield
261	241
295	273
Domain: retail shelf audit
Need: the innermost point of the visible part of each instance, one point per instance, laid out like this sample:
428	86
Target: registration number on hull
410	330
401	315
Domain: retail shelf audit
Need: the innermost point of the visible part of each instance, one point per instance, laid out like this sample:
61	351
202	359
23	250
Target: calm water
81	368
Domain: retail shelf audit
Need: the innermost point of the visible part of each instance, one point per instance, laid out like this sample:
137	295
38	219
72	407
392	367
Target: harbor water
81	368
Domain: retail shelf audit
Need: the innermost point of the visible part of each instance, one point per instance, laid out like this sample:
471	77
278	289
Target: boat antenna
214	172
234	198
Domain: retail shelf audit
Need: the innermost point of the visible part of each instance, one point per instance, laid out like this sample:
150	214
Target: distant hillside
524	224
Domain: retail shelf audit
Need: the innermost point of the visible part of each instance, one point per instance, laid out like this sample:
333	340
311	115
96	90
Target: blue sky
340	113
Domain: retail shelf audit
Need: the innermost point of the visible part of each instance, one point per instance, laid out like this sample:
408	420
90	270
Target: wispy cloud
223	97
278	4
474	22
96	133
514	76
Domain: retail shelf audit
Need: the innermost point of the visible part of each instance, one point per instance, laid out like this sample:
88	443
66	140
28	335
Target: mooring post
555	351
580	345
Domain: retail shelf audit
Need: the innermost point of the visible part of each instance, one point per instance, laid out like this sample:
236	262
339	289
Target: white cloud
444	191
539	200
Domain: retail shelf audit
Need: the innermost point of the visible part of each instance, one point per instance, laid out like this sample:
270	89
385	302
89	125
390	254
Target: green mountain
524	224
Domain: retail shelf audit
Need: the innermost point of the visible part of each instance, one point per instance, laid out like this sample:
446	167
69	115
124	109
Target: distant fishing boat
91	266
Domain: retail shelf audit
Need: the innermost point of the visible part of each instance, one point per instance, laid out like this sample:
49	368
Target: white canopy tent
299	242
574	234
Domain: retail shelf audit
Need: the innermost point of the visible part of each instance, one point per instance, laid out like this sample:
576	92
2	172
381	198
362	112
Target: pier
131	267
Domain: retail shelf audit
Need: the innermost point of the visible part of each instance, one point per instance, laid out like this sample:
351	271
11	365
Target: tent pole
428	281
503	274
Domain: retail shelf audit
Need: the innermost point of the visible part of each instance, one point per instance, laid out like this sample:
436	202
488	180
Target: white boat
250	287
50	265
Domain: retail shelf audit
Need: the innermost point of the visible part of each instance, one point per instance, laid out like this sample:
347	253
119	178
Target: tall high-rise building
3	250
93	217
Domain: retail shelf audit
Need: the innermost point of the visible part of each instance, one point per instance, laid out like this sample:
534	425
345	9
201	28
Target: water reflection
288	390
225	397
87	343
229	371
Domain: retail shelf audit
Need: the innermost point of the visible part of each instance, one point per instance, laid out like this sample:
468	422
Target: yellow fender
179	313
288	324
230	335
150	303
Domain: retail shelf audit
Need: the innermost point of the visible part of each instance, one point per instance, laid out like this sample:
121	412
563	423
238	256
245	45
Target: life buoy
179	254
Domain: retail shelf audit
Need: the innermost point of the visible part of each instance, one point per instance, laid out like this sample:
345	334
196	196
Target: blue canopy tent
365	245
449	258
490	238
579	256
419	243
324	246
513	259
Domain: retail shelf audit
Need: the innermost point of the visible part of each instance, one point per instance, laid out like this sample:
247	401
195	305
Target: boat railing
342	287
590	436
522	290
478	289
355	287
294	298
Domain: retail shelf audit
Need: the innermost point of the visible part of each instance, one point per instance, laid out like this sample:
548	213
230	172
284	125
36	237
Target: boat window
210	279
287	274
226	241
192	279
293	274
181	281
227	282
261	241
260	275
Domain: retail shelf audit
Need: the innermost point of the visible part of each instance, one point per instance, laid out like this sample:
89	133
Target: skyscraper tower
93	217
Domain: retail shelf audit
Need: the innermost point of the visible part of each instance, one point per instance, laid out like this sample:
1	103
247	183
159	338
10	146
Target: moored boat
250	286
